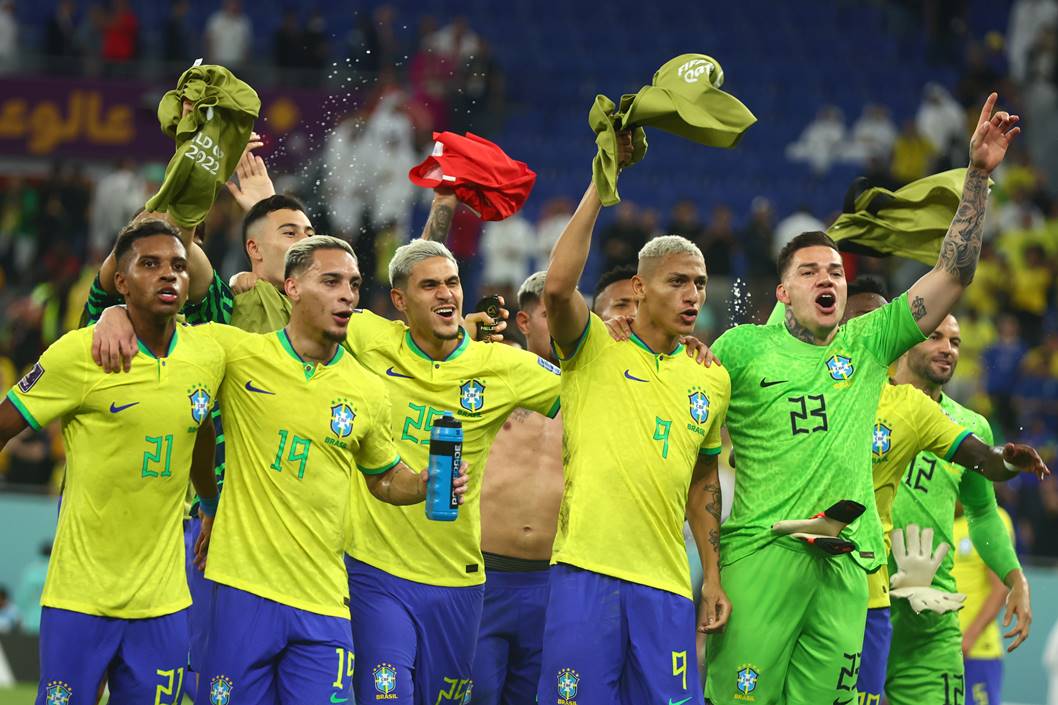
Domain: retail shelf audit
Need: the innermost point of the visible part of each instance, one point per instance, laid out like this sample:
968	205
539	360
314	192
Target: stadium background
351	92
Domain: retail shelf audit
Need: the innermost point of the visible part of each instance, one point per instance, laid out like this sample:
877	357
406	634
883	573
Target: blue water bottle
446	455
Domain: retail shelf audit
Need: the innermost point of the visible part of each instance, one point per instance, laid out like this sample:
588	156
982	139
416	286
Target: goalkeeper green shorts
795	631
925	658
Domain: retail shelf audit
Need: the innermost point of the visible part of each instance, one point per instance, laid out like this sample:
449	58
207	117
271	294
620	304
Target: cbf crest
746	682
699	405
220	688
881	441
201	403
568	683
385	681
472	395
58	693
840	367
342	416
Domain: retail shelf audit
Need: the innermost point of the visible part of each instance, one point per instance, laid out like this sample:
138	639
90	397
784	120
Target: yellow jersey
971	579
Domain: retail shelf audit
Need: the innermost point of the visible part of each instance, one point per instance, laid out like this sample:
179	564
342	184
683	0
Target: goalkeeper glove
917	563
822	530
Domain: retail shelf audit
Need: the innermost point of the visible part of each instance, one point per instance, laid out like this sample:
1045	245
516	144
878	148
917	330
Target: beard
924	369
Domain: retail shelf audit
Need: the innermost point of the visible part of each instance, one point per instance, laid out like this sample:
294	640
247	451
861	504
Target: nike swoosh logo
114	408
251	388
678	702
764	383
636	379
393	373
336	699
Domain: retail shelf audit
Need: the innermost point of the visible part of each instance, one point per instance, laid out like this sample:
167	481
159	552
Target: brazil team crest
568	682
58	693
472	395
881	441
342	416
201	403
746	682
841	367
699	405
220	688
385	681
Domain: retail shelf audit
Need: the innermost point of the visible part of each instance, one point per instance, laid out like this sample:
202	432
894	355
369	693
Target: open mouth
447	313
827	302
168	295
943	363
342	317
689	316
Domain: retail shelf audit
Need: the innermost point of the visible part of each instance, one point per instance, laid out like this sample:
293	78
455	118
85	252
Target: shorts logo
472	395
746	681
841	368
342	416
568	683
57	692
26	383
882	440
220	688
699	405
385	681
200	403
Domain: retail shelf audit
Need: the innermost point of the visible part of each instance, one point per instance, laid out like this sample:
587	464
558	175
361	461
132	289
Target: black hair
617	274
868	284
148	227
268	205
812	238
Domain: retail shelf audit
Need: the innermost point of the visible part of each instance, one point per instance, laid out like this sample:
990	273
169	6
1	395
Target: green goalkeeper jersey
800	419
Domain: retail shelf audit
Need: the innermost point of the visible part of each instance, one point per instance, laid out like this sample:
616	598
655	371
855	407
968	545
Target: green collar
464	343
639	341
147	351
284	339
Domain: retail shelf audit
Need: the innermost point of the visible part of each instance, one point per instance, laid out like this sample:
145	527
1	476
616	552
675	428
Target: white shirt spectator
507	246
873	134
8	36
791	226
117	197
1027	18
822	141
229	35
940	119
548	230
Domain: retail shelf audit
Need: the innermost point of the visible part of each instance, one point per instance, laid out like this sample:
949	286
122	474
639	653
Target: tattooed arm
933	296
703	514
441	211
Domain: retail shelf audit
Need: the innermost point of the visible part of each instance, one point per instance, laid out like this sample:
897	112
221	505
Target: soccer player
908	422
520	496
416	585
614	294
115	600
642	432
982	646
926	659
804	394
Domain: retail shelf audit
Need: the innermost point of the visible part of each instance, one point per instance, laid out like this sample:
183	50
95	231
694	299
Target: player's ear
522	320
290	286
397	297
781	294
121	283
638	286
252	250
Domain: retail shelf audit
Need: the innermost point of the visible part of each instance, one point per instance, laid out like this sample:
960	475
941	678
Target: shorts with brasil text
613	642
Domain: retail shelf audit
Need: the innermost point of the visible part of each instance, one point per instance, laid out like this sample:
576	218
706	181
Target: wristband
1009	467
209	505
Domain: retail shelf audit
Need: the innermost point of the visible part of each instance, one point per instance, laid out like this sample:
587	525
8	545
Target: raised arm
442	210
703	514
567	312
934	295
1000	463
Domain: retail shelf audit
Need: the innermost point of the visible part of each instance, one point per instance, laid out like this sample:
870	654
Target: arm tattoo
714	505
438	224
714	539
796	329
962	245
918	308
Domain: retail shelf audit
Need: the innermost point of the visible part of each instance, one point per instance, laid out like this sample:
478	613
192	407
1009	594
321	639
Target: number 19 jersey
800	421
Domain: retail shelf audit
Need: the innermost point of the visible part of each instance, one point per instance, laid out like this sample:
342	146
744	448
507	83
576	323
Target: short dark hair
617	274
132	232
262	208
812	238
868	284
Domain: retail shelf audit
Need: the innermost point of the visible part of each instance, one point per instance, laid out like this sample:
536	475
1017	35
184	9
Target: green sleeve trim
710	451
379	470
13	398
958	442
576	345
555	408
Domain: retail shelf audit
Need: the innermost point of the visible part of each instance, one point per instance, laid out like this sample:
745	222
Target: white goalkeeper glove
917	563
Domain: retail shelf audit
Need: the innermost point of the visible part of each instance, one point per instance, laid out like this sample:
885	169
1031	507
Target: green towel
209	140
684	98
909	222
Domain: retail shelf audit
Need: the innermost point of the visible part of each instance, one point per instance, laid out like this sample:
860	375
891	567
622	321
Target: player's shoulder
715	376
73	347
369	328
967	417
509	360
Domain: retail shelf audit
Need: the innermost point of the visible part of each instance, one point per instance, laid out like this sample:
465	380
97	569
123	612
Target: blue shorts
261	651
201	596
877	635
610	641
984	681
511	638
143	660
414	642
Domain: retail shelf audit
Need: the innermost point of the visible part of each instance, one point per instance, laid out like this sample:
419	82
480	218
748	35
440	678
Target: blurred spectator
118	196
478	106
315	42
90	35
800	221
684	221
873	135
1045	524
756	238
60	37
507	247
978	77
8	612
1027	19
373	43
941	120
1002	362
121	34
30	587
719	246
229	35
822	142
1030	292
623	237
8	36
554	215
19	208
912	154
455	40
289	42
178	39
